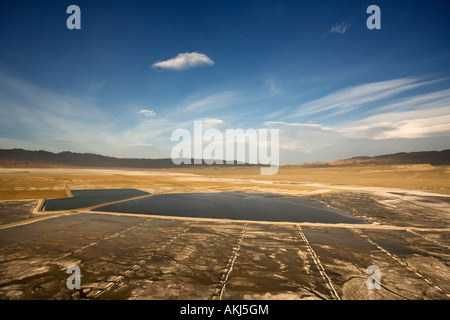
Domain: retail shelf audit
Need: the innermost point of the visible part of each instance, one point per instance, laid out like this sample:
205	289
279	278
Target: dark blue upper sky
313	69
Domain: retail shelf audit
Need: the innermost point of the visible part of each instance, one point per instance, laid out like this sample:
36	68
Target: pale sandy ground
150	257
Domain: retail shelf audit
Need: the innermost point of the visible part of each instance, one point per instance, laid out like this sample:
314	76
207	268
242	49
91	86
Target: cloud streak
348	99
147	113
409	124
184	61
340	28
212	102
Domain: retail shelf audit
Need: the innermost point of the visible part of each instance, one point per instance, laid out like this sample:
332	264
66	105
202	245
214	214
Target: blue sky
137	70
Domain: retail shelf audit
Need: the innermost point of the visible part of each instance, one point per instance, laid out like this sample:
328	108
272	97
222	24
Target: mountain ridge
20	158
418	157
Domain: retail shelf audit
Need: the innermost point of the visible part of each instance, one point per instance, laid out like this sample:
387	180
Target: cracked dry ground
139	257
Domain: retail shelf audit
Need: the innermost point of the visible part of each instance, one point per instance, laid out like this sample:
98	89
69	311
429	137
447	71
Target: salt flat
124	256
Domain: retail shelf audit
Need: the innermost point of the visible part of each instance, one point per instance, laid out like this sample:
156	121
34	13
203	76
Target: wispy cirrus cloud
212	102
26	95
277	113
184	61
310	126
348	99
423	101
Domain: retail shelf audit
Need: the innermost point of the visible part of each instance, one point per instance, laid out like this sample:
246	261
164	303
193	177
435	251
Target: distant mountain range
19	158
435	158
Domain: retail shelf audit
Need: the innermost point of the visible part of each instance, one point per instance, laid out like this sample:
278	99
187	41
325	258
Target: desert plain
139	256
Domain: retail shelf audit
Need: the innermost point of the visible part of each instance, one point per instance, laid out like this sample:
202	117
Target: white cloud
148	113
340	28
417	128
212	121
184	61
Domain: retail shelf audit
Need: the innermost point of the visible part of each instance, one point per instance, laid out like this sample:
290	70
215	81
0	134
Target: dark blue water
233	205
87	198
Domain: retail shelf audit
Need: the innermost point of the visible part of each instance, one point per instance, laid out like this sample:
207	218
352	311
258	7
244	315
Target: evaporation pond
87	198
235	206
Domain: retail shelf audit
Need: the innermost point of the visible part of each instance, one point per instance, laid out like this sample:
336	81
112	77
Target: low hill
434	158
